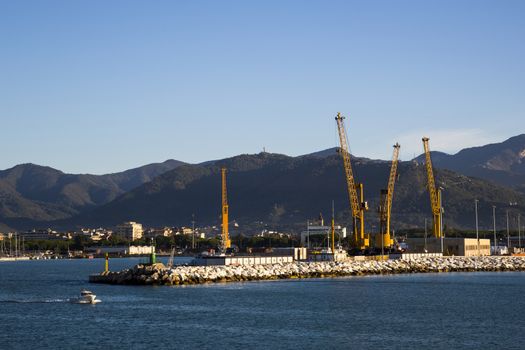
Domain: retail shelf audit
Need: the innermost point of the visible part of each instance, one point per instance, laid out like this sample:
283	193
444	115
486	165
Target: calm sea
438	311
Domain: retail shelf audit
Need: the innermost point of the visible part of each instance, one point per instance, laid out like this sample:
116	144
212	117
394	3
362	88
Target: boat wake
86	297
32	301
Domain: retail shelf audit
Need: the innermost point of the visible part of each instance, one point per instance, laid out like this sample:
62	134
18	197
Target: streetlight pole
477	229
308	234
494	227
192	231
426	251
519	230
508	231
441	217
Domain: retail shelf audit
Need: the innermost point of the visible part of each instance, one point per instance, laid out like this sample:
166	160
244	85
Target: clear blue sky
102	86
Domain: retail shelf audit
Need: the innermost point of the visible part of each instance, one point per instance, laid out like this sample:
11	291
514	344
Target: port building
315	230
451	246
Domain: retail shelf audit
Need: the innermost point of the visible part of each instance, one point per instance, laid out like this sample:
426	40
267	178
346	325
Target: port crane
384	238
357	203
226	243
435	193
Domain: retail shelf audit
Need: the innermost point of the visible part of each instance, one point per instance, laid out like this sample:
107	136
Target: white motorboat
86	297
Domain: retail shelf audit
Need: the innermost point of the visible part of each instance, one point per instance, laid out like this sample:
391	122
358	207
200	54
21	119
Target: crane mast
435	194
357	203
226	243
385	203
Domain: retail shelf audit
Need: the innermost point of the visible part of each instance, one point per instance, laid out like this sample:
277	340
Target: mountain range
30	192
272	190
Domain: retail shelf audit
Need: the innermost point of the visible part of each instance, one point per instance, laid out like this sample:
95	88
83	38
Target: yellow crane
357	203
435	194
226	243
385	204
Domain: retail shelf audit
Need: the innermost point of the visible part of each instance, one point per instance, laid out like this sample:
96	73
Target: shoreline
158	274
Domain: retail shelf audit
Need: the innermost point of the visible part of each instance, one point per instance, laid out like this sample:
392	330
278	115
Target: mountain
132	178
323	154
271	189
40	193
330	152
503	163
280	190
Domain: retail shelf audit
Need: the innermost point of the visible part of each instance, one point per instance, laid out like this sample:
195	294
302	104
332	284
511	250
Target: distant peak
435	156
172	161
32	166
322	154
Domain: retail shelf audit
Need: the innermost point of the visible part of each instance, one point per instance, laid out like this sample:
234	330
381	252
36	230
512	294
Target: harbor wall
158	274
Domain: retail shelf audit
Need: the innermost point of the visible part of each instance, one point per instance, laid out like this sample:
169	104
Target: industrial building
312	230
451	246
296	253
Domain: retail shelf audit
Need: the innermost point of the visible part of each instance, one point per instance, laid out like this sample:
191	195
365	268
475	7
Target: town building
156	232
186	230
130	230
40	235
95	235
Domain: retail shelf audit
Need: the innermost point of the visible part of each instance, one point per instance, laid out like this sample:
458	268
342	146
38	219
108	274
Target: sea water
414	311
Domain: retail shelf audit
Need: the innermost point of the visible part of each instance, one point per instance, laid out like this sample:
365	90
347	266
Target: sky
102	86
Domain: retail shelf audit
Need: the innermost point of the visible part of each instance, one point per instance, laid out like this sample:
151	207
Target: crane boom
386	198
226	243
435	196
392	179
357	203
352	189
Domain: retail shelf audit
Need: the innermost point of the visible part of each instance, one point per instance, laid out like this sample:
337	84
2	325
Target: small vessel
86	297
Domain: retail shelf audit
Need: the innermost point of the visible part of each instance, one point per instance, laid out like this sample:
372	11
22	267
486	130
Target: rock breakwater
158	274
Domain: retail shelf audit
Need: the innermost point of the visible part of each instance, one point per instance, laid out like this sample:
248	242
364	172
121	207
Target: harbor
262	175
264	238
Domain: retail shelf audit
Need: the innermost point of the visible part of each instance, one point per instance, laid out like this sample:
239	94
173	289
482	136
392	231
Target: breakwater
158	274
